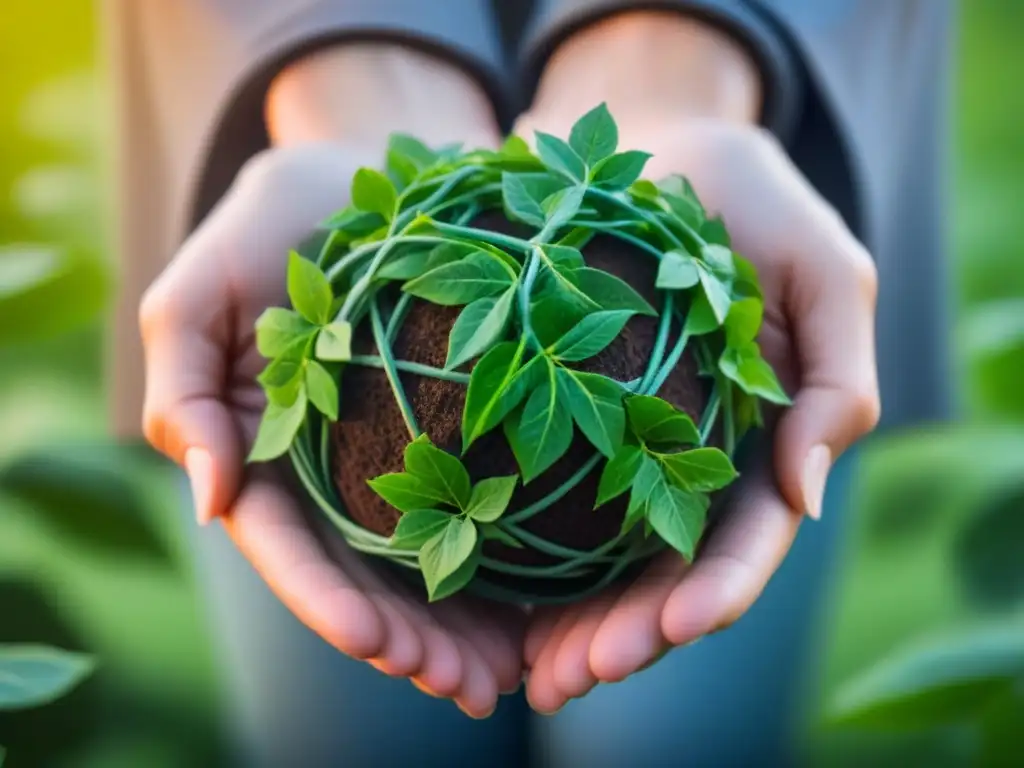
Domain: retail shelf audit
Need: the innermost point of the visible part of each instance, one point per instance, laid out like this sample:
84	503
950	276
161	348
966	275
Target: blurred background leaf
34	675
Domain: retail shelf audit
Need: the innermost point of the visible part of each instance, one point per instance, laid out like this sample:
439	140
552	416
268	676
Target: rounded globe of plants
517	372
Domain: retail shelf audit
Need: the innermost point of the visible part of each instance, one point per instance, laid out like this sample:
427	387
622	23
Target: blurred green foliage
924	658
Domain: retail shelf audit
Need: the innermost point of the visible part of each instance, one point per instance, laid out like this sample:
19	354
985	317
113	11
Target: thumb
185	416
831	309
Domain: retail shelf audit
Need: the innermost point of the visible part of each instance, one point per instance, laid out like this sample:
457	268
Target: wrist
651	66
360	93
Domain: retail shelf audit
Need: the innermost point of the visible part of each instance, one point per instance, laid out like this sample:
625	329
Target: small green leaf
282	371
743	321
278	329
415	528
700	317
285	394
677	270
746	283
495	533
334	342
543	431
516	147
562	206
418	262
308	289
491	497
322	390
595	403
441	472
719	261
278	428
647	476
373	192
685	210
478	327
411	148
477	276
617	172
717	293
677	517
594	136
354	223
679	186
444	554
591	335
407	493
609	292
34	675
497	384
699	470
714	231
751	372
657	421
519	204
618	474
560	157
564	256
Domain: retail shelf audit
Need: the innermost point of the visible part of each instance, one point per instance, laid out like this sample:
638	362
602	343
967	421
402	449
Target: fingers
542	692
831	305
274	537
735	565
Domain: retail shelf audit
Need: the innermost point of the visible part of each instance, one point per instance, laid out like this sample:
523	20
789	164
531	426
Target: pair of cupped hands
203	407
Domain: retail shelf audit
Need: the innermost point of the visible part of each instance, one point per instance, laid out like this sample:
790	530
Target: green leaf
519	204
564	256
743	321
477	276
422	260
595	403
441	472
647	476
308	289
406	492
491	497
334	342
562	206
415	528
677	270
714	231
746	283
700	317
699	470
684	209
751	372
478	327
591	335
943	678
595	135
354	223
278	428
609	292
618	474
679	186
495	533
34	675
278	329
516	147
719	261
717	293
560	157
677	517
543	431
497	384
373	192
445	553
412	149
322	390
617	172
657	421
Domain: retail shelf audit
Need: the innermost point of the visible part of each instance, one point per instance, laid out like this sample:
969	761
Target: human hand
203	404
819	288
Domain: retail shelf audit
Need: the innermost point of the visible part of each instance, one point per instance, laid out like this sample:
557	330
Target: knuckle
866	410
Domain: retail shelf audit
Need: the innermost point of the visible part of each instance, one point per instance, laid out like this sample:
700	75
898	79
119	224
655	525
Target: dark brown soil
370	436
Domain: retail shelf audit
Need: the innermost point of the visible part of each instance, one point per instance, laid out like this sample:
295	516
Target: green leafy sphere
526	325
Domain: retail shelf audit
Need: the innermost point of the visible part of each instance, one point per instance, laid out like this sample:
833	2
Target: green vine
531	309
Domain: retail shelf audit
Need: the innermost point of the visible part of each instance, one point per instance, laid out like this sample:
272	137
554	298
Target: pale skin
681	90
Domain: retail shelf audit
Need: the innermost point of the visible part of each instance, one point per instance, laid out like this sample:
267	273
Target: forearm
359	93
651	66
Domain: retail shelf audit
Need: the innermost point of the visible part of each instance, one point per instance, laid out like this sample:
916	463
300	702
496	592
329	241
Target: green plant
532	308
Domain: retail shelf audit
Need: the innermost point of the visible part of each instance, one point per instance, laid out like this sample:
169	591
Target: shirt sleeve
269	34
556	20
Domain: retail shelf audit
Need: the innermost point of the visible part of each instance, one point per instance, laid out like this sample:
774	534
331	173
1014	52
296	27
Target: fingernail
693	642
816	468
423	689
199	467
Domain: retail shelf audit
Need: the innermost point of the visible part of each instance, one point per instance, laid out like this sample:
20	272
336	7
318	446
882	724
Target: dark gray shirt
855	89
